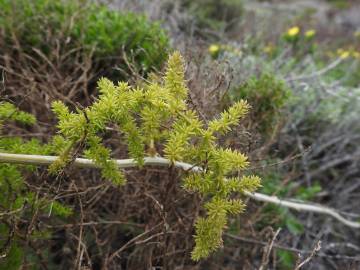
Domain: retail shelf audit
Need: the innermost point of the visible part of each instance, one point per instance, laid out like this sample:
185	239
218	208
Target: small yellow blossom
357	34
343	54
214	49
310	33
293	31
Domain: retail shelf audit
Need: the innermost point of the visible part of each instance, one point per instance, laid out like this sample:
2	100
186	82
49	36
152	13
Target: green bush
267	95
80	24
215	14
340	4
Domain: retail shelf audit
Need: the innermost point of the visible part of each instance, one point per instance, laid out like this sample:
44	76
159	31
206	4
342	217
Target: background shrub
214	14
59	49
267	96
84	24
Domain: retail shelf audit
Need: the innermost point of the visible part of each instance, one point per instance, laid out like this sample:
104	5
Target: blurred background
296	62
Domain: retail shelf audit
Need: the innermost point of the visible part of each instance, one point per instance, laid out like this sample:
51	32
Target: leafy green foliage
155	120
341	4
267	95
282	216
215	14
287	259
16	197
14	257
59	209
349	76
81	24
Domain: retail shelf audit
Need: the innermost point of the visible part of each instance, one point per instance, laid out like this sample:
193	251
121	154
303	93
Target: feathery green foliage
9	112
16	198
154	120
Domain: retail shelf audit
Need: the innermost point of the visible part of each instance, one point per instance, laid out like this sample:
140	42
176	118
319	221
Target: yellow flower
343	54
310	33
357	34
214	49
293	31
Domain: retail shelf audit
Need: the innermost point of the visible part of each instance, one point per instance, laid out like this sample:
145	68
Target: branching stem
159	161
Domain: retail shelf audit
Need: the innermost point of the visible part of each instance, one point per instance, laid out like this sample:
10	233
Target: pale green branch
159	161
